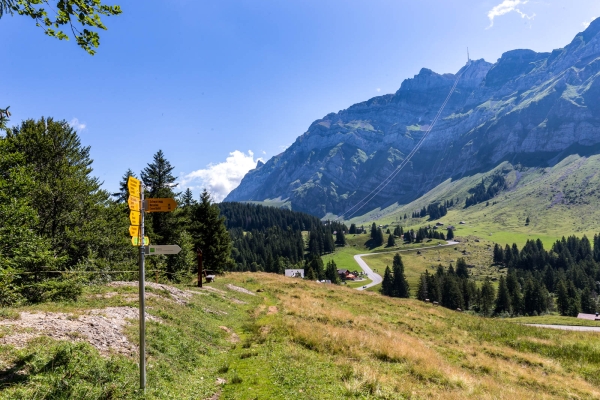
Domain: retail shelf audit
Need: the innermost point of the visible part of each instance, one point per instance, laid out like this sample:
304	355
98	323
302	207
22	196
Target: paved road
376	278
568	327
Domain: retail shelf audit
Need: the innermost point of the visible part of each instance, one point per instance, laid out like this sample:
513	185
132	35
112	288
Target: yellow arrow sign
136	241
134	203
161	205
134	186
134	230
135	218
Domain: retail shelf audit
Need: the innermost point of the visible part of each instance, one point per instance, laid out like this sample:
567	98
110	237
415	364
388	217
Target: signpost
165	249
137	207
160	205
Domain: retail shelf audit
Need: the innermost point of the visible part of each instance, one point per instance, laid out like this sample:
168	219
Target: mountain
532	109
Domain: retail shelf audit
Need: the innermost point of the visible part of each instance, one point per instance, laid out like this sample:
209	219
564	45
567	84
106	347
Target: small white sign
164	249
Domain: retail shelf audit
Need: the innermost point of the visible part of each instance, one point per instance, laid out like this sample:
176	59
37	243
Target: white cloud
220	179
75	124
378	89
587	23
508	6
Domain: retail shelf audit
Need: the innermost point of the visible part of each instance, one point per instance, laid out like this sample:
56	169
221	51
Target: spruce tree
159	182
450	234
123	194
340	239
503	299
210	235
373	231
387	283
400	285
187	198
461	268
422	292
352	230
391	241
562	298
487	297
331	273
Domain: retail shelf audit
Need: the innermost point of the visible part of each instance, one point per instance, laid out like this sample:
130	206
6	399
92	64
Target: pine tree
340	239
562	298
187	198
331	273
159	182
498	254
422	292
391	241
400	285
450	234
352	230
503	299
387	283
123	194
487	298
451	293
210	235
374	231
462	270
310	274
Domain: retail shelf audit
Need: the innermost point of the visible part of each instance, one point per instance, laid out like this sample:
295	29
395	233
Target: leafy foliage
82	17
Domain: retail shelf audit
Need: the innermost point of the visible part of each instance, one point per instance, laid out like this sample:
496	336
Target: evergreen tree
310	275
352	230
340	239
587	303
159	182
378	241
462	270
391	241
503	299
123	194
210	235
487	298
562	298
187	198
331	273
374	231
450	234
387	283
422	292
451	293
400	285
498	254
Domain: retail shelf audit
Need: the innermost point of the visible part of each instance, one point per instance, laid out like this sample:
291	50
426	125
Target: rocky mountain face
529	108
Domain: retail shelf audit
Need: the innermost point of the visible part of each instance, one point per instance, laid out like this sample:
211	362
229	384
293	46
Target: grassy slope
304	340
561	200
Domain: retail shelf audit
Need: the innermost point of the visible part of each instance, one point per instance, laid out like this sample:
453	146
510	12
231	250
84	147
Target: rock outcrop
528	107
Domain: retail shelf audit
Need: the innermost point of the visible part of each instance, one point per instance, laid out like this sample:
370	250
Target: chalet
346	275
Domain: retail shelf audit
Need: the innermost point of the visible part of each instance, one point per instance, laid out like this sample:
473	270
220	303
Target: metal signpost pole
142	290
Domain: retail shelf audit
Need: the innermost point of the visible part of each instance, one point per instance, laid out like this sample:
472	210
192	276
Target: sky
219	85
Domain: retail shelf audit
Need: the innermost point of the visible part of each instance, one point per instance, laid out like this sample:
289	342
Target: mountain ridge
528	107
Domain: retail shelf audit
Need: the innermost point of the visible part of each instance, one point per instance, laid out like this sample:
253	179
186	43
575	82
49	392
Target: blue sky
217	85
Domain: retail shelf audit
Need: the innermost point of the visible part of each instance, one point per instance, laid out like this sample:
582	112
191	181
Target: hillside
283	338
559	201
531	108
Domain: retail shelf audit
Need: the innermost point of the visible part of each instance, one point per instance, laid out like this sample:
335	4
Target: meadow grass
303	340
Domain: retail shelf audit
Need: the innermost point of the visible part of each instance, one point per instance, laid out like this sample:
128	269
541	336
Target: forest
537	281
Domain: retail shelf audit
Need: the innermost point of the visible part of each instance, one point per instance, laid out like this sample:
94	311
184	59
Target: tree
78	15
450	234
378	241
391	241
498	254
487	297
562	298
527	221
310	274
340	239
387	283
503	299
422	292
187	198
331	273
123	194
374	231
210	235
352	230
451	293
159	182
462	270
400	285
